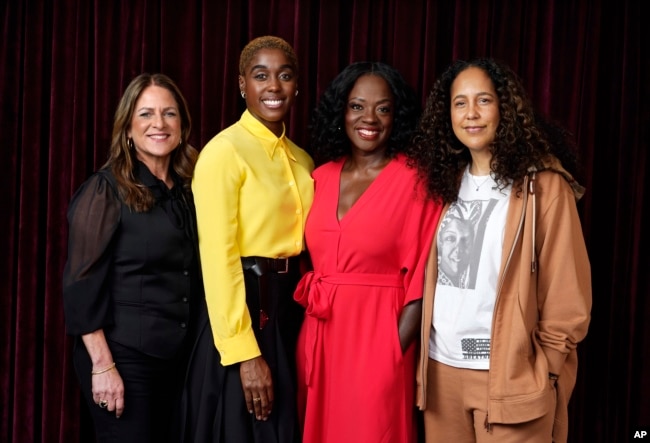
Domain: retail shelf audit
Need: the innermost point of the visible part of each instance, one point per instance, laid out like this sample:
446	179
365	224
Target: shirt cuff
238	349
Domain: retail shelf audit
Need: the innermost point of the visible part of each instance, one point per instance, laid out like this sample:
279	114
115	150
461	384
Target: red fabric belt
315	292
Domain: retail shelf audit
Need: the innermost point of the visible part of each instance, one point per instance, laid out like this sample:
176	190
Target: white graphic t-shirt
469	242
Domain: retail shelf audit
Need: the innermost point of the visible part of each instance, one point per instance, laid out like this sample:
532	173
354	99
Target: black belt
261	267
264	265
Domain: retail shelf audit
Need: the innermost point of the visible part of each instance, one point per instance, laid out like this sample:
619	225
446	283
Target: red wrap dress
354	382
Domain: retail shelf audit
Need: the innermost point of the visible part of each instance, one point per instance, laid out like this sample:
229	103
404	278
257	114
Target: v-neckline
362	197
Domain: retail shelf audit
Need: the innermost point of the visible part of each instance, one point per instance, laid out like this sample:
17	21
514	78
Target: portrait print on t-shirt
470	247
460	240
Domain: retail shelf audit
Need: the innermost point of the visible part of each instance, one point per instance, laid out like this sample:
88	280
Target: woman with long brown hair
132	275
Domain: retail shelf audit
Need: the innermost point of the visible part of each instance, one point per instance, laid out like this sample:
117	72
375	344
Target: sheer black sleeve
93	220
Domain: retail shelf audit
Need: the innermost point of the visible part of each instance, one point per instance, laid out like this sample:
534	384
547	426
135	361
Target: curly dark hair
523	138
328	138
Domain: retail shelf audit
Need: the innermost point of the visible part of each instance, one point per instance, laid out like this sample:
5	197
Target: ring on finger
256	399
102	404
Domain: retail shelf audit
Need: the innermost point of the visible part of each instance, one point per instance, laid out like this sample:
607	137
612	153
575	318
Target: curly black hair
523	138
327	127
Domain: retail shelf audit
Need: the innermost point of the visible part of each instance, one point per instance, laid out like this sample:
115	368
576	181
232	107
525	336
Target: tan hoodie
542	308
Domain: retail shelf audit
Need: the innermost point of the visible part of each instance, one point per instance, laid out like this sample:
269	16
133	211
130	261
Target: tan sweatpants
457	410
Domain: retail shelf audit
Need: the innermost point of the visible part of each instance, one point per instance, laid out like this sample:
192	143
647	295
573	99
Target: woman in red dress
368	234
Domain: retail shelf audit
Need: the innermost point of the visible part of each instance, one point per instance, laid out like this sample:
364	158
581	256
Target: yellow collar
269	140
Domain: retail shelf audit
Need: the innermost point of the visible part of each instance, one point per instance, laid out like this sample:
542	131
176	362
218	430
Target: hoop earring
243	95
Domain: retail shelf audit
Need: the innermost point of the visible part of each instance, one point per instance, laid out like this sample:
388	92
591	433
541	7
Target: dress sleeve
93	219
419	228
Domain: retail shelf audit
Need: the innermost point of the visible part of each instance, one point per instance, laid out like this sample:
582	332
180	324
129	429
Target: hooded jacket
542	308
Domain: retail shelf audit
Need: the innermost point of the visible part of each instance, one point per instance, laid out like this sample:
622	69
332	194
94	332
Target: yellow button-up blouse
253	192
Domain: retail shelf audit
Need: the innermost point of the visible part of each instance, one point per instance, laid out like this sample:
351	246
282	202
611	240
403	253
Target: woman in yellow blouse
253	190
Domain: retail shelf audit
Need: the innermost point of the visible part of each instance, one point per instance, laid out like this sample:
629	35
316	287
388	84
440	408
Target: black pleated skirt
214	408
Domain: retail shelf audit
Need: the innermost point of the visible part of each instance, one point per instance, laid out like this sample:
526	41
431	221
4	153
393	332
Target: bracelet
101	371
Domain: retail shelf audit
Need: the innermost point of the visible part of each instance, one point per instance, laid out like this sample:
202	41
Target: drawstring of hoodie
555	166
531	191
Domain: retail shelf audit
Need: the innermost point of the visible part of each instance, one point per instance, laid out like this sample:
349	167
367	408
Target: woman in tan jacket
508	286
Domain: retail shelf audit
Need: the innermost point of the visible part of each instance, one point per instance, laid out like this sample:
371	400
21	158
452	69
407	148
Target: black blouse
134	275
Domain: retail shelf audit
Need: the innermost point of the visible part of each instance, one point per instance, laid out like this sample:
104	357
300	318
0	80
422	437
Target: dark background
65	64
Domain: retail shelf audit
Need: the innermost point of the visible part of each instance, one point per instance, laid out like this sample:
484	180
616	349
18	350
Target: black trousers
151	396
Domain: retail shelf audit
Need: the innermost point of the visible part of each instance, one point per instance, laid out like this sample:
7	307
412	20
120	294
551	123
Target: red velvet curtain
64	65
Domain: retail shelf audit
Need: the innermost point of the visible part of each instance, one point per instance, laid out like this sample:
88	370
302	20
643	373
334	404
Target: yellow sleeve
216	186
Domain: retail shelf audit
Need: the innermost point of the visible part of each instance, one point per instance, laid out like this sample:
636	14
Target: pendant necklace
478	185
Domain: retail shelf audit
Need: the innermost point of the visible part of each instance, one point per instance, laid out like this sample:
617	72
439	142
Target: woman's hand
106	385
108	389
409	324
258	387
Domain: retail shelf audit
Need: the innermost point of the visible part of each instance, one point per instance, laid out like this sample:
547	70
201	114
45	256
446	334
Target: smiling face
369	114
155	125
474	109
270	84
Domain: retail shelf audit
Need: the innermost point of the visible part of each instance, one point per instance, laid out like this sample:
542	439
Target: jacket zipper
487	424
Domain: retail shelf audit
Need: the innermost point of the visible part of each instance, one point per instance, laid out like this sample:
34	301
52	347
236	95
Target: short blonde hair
266	42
